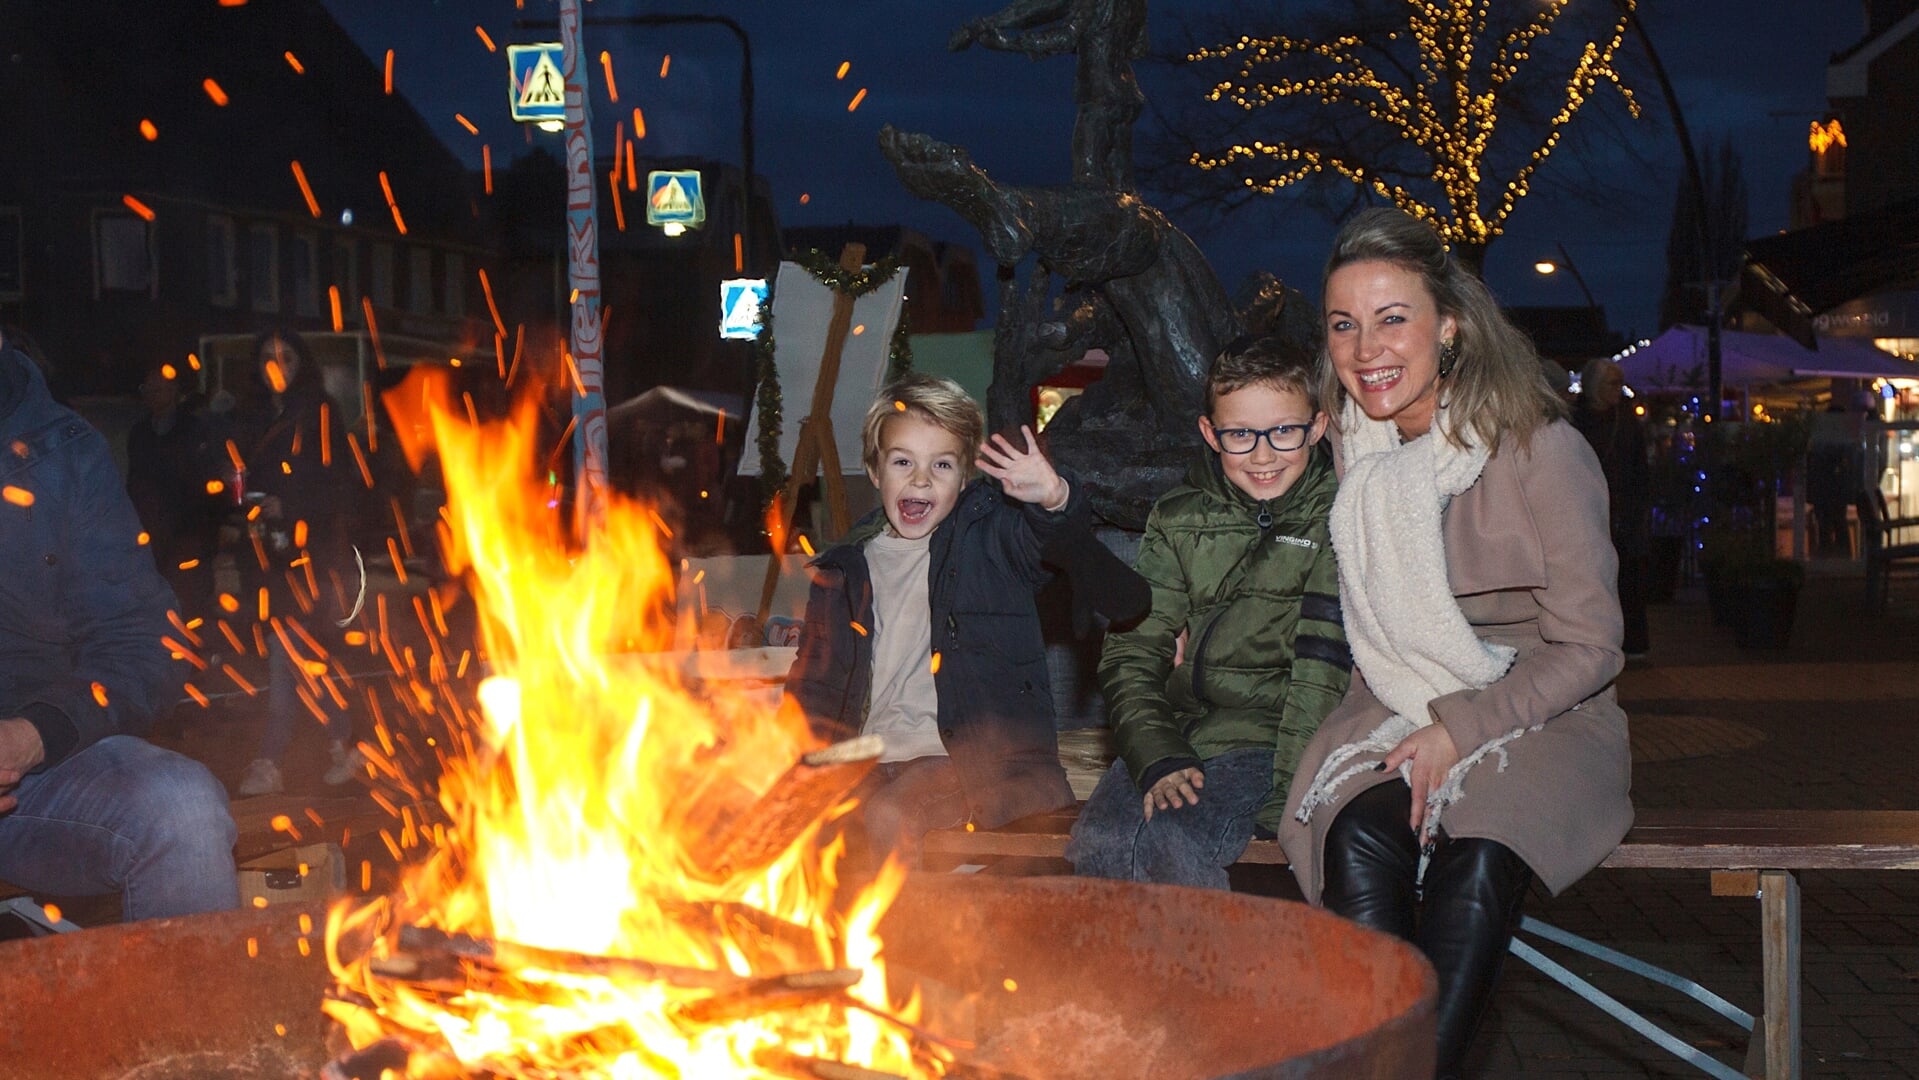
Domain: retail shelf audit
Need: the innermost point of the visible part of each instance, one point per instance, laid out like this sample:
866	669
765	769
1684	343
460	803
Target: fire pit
1061	978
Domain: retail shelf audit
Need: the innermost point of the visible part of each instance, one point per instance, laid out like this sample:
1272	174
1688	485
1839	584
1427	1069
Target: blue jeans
284	707
1192	845
124	816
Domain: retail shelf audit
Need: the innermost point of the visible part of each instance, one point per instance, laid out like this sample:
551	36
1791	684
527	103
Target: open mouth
1380	378
915	511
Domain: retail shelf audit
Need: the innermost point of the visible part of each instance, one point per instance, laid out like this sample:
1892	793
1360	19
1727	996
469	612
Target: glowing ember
626	882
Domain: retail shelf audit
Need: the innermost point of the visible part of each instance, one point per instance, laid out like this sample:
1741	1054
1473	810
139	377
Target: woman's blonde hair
1497	386
942	403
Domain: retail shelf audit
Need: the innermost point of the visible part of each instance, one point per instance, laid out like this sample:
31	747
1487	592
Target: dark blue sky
1750	70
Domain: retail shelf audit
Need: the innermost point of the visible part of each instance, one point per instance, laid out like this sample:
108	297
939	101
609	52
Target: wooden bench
1886	543
1746	853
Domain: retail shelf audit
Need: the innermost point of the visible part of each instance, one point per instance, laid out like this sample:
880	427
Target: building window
123	255
304	267
419	281
456	285
263	267
12	255
346	278
223	280
383	275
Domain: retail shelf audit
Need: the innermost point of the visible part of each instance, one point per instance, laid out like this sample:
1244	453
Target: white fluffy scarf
1408	636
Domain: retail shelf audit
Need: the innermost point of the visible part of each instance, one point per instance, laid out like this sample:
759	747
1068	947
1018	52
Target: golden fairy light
1445	102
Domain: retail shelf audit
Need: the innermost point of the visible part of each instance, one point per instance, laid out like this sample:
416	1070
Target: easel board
802	315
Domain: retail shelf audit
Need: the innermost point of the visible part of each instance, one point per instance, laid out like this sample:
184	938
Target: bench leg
1778	1053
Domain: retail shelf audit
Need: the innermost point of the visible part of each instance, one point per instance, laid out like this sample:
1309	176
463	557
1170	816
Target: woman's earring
1448	357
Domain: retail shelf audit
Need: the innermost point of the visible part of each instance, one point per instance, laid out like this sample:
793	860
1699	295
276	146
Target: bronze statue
1130	282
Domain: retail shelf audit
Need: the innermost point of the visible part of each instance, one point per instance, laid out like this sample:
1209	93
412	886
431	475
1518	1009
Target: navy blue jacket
995	699
82	609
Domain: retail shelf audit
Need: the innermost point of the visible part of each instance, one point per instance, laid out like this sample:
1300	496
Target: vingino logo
1296	541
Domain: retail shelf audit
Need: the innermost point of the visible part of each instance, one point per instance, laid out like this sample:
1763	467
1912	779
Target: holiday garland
852	283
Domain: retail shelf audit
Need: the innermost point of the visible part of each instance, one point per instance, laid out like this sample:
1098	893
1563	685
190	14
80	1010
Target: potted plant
1747	586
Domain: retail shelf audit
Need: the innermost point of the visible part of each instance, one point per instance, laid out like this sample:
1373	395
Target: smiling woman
1477	584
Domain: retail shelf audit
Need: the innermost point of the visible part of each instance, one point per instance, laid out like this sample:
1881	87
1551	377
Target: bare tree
1686	298
1445	108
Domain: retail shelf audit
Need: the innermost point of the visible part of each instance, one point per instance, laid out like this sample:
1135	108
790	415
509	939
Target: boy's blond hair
939	402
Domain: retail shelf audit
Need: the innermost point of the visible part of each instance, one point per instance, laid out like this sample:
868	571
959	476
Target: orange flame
585	790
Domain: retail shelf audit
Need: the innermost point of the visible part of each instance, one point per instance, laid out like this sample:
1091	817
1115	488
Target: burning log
369	1063
770	994
801	796
420	946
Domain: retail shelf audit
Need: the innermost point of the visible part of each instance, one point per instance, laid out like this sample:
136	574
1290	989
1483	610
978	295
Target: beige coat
1531	562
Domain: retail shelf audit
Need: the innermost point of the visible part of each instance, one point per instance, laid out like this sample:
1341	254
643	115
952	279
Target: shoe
347	763
261	778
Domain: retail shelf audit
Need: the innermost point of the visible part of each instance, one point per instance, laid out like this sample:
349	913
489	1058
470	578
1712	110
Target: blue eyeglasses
1284	438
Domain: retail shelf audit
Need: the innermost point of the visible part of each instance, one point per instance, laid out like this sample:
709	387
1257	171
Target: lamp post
1696	182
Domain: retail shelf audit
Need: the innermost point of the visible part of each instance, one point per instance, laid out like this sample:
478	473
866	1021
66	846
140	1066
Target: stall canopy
1676	360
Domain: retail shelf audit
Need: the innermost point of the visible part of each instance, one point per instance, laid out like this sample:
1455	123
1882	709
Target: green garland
854	283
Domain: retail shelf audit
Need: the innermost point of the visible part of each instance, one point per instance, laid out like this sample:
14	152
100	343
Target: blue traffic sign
740	302
674	198
538	88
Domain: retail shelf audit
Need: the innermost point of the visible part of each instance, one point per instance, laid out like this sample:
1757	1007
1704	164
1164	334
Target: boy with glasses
1214	694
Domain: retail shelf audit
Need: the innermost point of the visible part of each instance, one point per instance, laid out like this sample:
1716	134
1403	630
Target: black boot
1473	892
1371	859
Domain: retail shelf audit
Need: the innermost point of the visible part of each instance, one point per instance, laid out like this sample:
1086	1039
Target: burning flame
587	934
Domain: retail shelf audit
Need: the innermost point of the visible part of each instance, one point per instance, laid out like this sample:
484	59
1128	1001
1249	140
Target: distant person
172	456
1242	571
295	552
921	626
1481	743
86	805
1618	437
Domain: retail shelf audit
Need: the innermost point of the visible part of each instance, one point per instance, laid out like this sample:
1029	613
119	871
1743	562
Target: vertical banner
583	276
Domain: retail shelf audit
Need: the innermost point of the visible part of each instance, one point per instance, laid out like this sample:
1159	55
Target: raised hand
1026	475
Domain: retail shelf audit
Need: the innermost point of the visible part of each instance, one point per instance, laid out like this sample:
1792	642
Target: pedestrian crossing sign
538	88
674	198
740	302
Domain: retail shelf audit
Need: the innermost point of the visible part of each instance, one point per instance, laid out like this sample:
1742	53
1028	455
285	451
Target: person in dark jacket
921	627
86	805
297	478
1242	572
172	456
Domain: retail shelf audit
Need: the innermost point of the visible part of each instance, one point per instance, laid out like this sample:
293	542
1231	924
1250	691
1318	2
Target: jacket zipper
1265	521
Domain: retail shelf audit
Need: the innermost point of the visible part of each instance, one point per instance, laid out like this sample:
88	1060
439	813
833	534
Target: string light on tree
1439	82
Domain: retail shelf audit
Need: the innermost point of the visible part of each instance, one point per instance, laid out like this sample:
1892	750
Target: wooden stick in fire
801	796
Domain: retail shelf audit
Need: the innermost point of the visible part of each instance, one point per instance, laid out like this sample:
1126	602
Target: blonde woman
1480	745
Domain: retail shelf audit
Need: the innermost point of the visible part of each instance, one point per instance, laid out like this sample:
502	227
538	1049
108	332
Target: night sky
1751	70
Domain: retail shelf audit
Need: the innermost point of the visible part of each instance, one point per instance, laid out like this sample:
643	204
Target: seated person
86	806
1245	587
921	627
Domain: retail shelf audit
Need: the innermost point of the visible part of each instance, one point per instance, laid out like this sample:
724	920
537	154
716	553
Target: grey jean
1191	845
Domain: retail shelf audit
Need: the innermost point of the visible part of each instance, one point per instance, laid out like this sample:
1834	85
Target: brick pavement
1831	723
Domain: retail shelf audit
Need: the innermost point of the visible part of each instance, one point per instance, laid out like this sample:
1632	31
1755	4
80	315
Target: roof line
1846	75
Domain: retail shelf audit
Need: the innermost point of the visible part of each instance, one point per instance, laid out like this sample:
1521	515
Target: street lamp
1547	268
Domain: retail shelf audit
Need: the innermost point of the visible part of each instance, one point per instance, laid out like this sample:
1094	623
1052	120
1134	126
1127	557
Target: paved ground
1830	723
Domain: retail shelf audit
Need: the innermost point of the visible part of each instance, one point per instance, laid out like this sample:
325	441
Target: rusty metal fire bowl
1064	978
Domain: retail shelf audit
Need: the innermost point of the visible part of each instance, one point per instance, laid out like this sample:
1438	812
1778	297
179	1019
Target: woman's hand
1174	790
1433	755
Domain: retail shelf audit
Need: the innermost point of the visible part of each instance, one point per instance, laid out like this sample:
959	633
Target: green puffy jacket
1256	591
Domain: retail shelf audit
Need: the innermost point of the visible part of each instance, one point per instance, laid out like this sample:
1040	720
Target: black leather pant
1462	918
